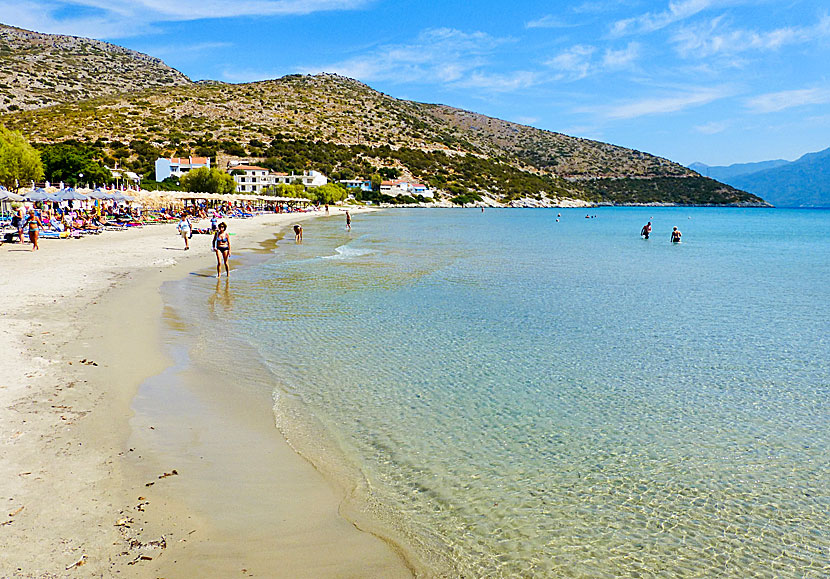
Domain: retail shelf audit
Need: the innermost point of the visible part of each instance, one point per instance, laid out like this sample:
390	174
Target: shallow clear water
527	397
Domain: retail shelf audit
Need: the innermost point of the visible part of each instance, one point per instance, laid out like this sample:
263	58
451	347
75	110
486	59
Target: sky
714	81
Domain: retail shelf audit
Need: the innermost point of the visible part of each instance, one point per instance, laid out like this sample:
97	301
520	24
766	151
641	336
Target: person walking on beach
21	221
675	235
213	222
185	230
34	224
646	230
348	221
222	247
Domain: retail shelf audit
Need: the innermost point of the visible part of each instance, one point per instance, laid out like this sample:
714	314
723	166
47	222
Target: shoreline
81	328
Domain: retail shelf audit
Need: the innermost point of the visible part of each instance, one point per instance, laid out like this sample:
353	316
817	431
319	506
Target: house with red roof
178	166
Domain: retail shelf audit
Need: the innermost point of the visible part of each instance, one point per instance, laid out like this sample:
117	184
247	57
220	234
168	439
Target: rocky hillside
363	130
39	70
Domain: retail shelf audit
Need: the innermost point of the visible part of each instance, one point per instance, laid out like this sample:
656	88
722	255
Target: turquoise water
516	396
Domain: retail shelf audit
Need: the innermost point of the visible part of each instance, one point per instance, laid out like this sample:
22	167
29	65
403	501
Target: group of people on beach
645	232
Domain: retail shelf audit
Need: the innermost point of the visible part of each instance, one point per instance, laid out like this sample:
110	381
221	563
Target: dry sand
88	488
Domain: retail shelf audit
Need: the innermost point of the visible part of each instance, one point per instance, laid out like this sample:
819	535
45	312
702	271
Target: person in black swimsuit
222	247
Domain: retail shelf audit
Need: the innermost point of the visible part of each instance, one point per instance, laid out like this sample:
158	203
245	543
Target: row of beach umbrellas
67	194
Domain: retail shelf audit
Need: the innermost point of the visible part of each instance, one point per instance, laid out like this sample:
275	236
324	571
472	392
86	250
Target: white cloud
443	55
575	63
530	121
579	61
663	105
121	18
548	21
494	82
779	101
714	37
713	127
617	59
186	49
678	10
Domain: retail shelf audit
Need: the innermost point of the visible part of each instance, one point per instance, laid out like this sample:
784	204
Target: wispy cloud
662	105
573	63
188	49
548	21
122	18
649	22
580	61
436	56
713	127
714	37
779	101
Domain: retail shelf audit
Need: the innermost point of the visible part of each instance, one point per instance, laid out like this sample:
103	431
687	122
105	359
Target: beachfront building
404	187
308	178
250	178
178	166
362	184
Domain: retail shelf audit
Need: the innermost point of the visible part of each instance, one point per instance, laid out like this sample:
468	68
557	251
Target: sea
543	392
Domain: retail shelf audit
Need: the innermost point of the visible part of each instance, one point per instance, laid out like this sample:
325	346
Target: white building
255	179
178	166
250	178
308	178
404	187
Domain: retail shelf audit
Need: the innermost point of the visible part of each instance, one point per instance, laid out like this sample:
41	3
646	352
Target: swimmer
675	235
646	230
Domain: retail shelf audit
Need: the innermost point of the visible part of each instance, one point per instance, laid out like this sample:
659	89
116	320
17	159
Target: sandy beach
90	488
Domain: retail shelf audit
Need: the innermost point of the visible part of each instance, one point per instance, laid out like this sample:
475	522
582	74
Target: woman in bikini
222	247
34	224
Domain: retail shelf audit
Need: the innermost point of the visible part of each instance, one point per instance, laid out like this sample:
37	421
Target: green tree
329	193
283	190
66	161
206	180
19	161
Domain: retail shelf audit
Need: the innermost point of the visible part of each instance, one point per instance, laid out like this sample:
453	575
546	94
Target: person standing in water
298	233
222	247
675	235
646	230
348	221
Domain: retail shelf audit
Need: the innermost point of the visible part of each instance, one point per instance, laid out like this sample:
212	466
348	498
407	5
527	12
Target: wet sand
95	418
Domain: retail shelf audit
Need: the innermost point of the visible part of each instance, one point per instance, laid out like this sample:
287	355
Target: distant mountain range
804	182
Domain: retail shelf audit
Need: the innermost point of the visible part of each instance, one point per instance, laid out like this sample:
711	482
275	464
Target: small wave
347	252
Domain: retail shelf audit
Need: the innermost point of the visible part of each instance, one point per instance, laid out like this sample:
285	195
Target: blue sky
693	80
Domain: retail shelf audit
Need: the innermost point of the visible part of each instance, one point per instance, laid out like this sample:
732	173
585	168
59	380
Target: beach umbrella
118	196
70	194
100	194
40	195
9	196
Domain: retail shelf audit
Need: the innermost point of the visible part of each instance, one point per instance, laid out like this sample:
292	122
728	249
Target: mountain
803	183
328	122
39	70
738	169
